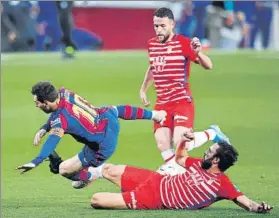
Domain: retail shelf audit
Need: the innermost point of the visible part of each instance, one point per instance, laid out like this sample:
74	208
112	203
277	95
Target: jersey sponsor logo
169	49
54	122
180	121
210	181
180	118
67	95
159	63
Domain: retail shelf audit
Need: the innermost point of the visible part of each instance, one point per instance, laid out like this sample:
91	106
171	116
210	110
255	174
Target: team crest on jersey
67	95
169	49
210	181
159	63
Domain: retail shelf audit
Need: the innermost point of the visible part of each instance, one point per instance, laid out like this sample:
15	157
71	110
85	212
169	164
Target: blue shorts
90	157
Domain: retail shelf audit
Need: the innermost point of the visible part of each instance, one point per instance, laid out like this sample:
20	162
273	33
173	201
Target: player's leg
108	200
70	169
163	137
70	165
163	134
117	174
128	112
184	113
85	163
110	172
106	170
184	119
200	137
126	177
74	170
140	188
54	161
90	157
64	9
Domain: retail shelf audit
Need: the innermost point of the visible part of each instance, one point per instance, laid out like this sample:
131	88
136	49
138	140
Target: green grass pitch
240	94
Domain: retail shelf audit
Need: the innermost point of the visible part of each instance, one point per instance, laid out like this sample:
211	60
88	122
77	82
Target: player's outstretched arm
48	147
252	206
181	153
148	79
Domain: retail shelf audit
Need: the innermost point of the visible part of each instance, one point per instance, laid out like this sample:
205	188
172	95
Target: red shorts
141	188
179	113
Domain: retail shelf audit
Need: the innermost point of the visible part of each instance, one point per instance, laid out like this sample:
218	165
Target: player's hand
188	135
143	98
264	208
159	116
12	36
196	45
26	167
39	135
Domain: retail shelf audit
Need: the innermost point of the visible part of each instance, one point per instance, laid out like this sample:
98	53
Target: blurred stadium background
240	94
108	25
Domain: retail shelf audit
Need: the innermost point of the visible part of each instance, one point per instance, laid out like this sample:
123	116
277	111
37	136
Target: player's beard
206	164
165	38
46	110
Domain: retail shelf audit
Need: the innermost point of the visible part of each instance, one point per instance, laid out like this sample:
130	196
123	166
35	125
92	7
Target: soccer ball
171	169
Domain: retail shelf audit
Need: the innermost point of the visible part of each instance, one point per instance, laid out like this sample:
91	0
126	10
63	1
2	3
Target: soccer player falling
170	56
96	128
203	184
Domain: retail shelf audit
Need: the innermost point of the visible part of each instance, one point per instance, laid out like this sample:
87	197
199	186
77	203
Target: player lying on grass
168	168
203	184
96	128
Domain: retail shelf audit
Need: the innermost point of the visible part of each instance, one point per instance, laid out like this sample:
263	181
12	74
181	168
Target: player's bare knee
106	170
64	168
163	144
163	138
96	201
113	171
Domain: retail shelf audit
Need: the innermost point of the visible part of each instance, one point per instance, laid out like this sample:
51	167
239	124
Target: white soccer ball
171	169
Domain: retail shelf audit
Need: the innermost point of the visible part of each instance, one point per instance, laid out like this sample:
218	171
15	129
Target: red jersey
196	188
170	66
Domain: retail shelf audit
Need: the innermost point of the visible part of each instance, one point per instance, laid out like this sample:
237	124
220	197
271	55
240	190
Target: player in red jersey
203	184
170	56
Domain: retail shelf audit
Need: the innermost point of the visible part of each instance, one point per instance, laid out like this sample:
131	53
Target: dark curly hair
227	154
44	91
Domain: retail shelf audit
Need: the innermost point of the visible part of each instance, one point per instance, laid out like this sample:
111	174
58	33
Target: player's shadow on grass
216	212
207	210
